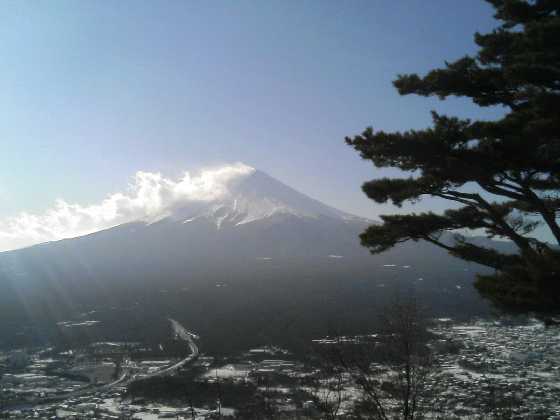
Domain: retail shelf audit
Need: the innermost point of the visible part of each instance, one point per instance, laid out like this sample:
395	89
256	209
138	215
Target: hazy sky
94	91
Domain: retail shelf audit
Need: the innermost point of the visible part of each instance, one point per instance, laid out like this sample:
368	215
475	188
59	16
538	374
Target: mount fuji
253	216
248	261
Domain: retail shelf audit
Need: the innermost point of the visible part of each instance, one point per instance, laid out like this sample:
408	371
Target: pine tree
503	175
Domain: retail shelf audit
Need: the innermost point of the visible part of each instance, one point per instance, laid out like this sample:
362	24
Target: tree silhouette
502	175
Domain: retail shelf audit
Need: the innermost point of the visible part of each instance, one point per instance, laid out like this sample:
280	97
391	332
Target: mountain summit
253	197
234	214
232	195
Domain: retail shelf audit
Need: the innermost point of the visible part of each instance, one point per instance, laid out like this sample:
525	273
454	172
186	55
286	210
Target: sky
96	92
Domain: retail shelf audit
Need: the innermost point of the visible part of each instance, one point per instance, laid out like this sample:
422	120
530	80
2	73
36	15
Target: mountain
245	264
257	217
256	196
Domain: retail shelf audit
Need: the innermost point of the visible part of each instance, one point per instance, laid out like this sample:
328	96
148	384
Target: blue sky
93	91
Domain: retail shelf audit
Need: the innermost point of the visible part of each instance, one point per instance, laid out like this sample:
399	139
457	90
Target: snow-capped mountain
254	197
224	261
253	217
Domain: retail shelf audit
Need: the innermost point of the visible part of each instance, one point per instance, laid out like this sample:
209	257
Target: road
180	332
187	336
126	377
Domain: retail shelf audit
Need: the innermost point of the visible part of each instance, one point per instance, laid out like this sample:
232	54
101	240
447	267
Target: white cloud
150	197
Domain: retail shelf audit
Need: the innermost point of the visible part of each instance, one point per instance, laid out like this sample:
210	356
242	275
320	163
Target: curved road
125	379
187	336
180	332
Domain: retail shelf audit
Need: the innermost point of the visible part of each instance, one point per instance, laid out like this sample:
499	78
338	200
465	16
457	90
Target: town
502	364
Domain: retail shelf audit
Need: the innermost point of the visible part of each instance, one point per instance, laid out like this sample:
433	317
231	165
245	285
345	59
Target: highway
183	334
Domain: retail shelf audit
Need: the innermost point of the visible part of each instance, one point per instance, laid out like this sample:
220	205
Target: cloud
150	197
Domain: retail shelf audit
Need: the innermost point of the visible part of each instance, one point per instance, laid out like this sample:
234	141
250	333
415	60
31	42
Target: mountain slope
259	251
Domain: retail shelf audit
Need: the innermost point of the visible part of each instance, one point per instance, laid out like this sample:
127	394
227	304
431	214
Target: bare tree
409	358
328	388
391	369
219	399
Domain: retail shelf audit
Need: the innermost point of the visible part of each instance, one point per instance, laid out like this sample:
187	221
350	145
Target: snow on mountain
244	215
255	196
233	252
